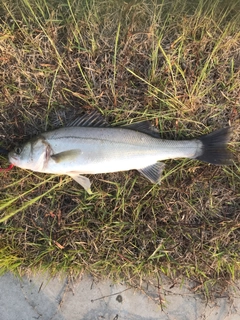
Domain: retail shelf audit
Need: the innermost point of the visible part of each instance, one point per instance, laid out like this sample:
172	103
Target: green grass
175	63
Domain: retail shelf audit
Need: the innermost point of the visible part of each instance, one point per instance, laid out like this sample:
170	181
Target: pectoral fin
153	172
83	181
66	155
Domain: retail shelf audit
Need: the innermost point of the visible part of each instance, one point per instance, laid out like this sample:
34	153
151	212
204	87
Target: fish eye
18	150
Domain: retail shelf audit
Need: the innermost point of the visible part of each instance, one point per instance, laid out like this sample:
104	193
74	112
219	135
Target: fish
90	145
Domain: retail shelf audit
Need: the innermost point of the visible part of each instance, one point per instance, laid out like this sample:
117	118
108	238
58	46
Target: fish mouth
11	158
12	162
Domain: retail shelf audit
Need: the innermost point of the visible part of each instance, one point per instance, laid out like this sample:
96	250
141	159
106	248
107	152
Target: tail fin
214	147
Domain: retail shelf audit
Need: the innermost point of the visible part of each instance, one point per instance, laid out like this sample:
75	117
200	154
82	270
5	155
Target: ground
174	63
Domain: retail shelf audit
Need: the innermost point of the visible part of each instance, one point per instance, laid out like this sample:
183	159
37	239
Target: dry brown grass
173	64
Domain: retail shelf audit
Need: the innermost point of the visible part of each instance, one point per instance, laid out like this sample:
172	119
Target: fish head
33	155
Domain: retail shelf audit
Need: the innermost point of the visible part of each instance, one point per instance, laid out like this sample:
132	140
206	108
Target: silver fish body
78	150
101	150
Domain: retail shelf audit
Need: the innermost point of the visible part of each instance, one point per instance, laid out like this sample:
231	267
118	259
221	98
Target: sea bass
90	146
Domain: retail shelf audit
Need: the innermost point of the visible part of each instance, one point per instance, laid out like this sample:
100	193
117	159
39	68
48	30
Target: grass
175	63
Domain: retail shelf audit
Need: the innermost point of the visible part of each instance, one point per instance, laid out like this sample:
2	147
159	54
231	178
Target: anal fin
153	172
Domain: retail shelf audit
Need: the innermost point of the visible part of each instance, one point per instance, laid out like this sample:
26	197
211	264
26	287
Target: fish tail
214	147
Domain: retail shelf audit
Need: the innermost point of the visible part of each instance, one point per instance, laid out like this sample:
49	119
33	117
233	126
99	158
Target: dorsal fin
144	127
93	119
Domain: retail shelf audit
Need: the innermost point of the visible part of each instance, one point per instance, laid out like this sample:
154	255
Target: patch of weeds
174	63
